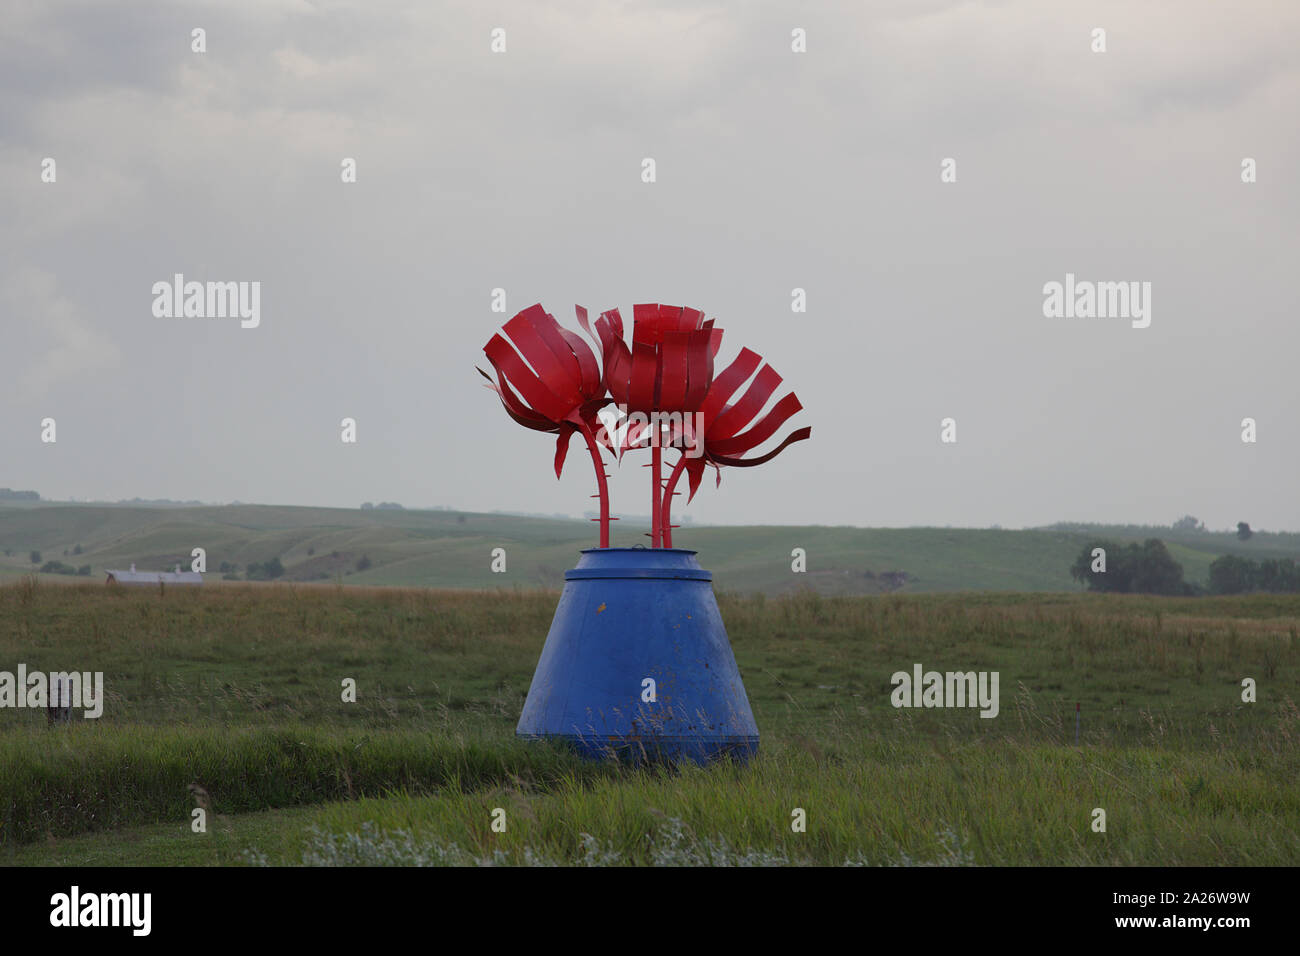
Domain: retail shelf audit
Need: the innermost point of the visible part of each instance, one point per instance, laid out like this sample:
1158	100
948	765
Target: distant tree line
58	567
9	494
35	556
1184	524
1148	568
156	501
265	570
1233	575
256	570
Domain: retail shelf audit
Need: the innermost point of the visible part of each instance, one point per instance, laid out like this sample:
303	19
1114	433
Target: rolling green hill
454	549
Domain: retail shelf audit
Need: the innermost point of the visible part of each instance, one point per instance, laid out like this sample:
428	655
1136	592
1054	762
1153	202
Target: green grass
89	777
453	549
901	802
237	690
881	802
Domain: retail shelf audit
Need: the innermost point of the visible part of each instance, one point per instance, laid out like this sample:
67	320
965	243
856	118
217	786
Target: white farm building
154	577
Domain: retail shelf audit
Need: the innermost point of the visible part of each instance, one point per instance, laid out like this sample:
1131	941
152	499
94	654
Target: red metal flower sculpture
562	391
718	428
660	380
664	388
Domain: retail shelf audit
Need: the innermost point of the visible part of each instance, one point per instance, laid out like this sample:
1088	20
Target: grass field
230	698
449	549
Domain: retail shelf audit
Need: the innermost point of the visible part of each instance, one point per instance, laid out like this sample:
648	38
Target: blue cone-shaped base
628	614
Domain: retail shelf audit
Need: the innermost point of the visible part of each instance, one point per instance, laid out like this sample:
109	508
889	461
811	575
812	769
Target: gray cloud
775	170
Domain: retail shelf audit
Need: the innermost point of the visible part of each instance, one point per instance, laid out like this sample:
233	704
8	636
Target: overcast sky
775	170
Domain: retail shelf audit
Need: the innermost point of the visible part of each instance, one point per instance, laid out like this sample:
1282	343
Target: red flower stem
602	485
668	500
656	476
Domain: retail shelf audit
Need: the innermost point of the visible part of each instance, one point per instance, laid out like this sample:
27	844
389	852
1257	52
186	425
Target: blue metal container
628	616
